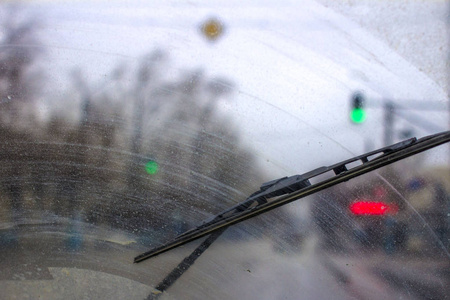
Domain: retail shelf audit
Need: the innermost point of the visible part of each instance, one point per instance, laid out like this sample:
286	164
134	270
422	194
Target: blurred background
126	123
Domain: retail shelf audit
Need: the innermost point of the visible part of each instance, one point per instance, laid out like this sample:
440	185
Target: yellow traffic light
212	29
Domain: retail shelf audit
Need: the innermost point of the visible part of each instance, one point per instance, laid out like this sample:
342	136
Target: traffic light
372	208
151	167
357	112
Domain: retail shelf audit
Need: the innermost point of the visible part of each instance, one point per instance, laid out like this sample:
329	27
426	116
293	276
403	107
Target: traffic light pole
391	110
388	122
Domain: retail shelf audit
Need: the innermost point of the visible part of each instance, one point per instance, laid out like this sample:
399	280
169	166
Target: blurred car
412	218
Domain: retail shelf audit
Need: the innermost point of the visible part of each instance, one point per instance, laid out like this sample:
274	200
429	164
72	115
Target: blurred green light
358	115
151	167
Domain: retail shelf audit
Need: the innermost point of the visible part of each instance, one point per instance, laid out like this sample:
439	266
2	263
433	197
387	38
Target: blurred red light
372	208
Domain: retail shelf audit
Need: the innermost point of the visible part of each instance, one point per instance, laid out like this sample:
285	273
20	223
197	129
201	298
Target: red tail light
372	208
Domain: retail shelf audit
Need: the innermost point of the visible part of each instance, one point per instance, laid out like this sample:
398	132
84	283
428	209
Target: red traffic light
377	208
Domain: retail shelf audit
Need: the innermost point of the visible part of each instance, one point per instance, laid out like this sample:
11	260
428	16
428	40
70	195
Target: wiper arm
287	189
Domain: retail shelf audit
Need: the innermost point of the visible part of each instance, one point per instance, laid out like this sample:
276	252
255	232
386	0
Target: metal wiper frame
287	189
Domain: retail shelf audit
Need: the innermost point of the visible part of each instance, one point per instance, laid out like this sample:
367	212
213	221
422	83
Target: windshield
126	124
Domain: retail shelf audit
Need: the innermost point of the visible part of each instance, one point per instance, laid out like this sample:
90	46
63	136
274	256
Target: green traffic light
151	167
358	115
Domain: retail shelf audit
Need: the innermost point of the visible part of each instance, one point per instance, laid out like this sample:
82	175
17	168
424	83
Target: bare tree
19	50
95	167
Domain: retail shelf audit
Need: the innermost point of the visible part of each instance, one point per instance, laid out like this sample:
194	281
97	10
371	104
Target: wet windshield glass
126	124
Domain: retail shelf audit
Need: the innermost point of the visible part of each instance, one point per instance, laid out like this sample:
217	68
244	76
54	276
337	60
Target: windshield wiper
287	189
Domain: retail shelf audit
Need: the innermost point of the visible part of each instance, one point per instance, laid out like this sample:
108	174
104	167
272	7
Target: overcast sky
295	63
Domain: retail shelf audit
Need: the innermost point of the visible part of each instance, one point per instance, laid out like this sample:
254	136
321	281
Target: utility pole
388	108
138	115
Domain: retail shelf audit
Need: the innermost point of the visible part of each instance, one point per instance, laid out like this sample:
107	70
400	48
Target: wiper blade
287	189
